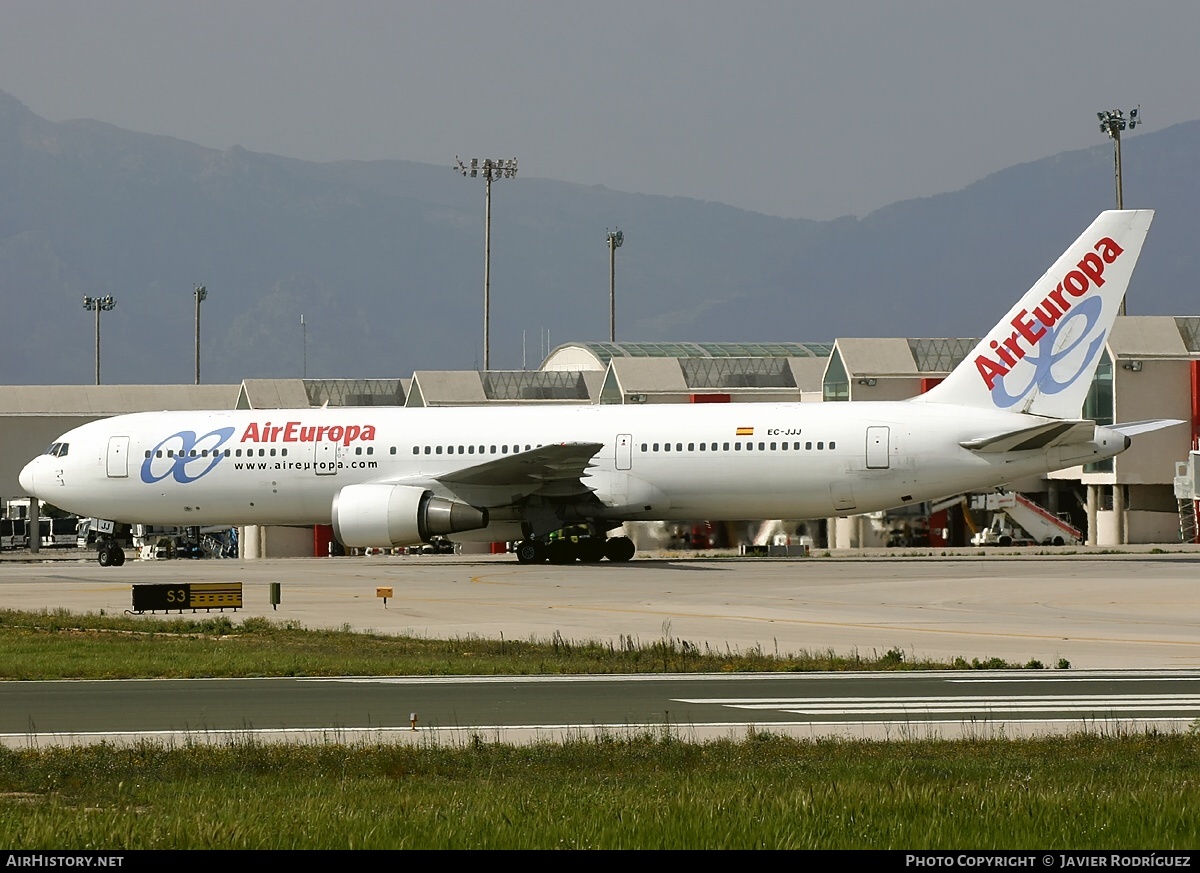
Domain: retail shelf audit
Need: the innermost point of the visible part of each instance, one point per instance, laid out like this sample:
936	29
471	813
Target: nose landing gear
110	554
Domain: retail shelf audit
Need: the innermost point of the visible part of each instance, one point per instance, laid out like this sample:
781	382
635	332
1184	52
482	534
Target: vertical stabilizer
1042	356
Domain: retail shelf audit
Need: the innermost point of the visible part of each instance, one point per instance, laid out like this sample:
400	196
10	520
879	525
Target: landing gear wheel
561	552
110	555
530	552
619	549
591	550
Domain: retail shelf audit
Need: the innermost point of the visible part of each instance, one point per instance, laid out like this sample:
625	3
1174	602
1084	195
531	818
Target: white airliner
389	477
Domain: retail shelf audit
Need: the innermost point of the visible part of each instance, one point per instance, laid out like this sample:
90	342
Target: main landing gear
587	550
110	554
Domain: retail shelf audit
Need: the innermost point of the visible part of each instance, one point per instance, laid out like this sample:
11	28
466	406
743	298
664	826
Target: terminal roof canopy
597	356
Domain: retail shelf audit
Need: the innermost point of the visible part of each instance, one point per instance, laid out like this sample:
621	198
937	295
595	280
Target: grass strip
56	644
647	792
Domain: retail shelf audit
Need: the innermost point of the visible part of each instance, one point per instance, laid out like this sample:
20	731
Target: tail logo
1036	331
1043	362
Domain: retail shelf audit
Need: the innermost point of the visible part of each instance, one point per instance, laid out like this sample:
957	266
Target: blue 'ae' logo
1045	357
182	452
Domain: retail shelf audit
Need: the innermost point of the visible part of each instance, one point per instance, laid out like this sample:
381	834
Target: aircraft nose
27	479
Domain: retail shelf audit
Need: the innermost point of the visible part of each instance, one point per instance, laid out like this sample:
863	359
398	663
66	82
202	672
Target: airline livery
390	477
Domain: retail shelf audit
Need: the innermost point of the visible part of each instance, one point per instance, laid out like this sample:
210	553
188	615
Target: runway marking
1108	704
763	702
1057	678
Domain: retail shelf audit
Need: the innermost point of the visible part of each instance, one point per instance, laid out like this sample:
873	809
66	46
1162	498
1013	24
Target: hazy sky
803	109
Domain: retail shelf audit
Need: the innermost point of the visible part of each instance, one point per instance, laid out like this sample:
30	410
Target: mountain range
384	259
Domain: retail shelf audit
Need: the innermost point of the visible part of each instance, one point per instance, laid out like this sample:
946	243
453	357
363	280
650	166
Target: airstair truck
1017	520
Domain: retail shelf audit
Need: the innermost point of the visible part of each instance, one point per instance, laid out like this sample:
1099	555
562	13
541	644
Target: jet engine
380	515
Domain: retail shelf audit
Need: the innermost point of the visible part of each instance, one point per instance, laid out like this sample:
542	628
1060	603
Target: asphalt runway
456	710
1093	610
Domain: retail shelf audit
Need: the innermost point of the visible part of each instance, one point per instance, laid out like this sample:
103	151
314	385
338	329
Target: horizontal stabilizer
1041	436
1132	428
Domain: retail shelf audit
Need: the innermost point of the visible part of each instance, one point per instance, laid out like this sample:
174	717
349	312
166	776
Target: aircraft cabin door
118	457
624	451
878	450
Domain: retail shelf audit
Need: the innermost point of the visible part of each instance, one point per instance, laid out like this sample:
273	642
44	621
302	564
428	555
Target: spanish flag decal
745	431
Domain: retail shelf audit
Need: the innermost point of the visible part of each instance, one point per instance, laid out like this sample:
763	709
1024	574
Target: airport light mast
98	304
1112	122
615	238
489	169
201	294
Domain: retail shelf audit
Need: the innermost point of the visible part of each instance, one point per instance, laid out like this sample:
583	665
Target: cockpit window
58	450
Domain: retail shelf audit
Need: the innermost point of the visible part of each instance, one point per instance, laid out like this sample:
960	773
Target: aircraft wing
553	470
1040	436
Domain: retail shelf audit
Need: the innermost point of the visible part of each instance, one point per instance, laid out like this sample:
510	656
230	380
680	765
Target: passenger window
725	447
666	447
808	446
427	450
691	447
643	447
832	445
820	446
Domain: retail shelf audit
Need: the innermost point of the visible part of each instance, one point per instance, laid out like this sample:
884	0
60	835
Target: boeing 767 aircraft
391	477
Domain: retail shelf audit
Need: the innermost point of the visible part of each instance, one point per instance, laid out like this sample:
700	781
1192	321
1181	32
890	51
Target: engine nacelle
378	516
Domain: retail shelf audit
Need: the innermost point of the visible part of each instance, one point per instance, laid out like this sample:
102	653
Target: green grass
649	792
1118	791
59	645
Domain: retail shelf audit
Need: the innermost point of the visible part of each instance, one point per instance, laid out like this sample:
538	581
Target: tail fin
1041	357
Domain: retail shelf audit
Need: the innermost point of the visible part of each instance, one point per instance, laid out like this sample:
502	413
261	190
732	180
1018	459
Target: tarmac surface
1095	609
